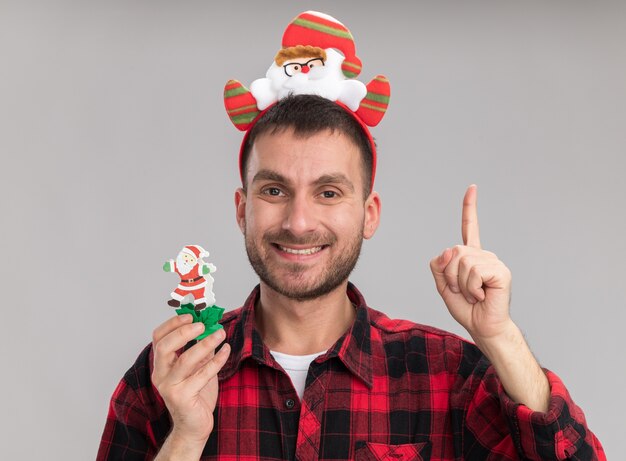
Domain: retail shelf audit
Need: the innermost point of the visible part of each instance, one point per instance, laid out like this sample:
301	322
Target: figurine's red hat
196	251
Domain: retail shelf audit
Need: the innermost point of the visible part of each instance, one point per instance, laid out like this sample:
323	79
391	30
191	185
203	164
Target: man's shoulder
231	316
135	390
399	338
388	326
138	376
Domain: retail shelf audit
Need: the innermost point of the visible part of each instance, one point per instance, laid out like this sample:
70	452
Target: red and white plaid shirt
388	389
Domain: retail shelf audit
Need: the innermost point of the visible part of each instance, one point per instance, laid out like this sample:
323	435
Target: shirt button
290	403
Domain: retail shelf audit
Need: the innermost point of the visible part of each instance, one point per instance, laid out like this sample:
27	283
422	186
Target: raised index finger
469	220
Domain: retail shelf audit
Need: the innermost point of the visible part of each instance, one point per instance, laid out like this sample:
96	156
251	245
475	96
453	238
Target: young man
305	369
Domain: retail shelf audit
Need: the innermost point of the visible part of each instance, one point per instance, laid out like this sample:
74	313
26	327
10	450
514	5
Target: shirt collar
353	348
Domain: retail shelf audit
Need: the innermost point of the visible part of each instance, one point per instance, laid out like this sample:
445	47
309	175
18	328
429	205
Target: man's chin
301	290
303	280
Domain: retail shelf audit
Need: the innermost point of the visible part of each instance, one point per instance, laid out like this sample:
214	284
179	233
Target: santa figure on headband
195	278
305	69
318	56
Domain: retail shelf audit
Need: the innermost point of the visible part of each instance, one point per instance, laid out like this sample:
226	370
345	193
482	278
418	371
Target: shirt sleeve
494	425
561	433
137	422
126	432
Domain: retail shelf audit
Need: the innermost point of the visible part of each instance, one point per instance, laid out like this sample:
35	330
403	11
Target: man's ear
240	208
372	215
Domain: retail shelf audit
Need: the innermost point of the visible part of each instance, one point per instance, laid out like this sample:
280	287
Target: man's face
303	214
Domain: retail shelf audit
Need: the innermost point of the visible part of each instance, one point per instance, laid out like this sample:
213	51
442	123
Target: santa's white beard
328	82
311	83
183	266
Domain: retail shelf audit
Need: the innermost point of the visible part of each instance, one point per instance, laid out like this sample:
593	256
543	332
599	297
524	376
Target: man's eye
329	194
275	191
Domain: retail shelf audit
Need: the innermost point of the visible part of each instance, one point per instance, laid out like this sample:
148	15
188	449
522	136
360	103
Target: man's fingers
475	281
437	266
170	325
190	361
201	377
452	268
469	220
467	267
451	271
166	348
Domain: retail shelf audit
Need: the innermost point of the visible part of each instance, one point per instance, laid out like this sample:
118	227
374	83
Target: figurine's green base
209	316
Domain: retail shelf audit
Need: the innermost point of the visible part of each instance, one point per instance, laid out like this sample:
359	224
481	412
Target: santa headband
318	56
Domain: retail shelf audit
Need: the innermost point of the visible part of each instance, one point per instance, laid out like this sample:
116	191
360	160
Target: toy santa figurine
195	278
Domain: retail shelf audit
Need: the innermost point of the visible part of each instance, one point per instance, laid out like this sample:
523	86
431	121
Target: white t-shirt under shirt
297	367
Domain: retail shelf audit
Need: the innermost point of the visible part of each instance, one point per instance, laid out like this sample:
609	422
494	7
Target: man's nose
305	69
301	216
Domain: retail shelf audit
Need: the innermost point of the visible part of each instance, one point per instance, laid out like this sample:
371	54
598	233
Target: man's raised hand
476	287
474	284
187	382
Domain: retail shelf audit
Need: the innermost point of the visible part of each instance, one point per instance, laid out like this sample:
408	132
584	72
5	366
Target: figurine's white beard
311	83
183	266
323	81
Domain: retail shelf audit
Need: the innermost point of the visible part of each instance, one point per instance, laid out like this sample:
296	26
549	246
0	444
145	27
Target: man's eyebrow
270	175
336	178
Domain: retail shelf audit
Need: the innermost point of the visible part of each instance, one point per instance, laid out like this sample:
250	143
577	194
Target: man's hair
307	115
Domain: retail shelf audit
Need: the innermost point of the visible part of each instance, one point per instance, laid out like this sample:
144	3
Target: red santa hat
324	31
196	251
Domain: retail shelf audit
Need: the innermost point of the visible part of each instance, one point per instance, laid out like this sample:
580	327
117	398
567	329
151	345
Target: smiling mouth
301	251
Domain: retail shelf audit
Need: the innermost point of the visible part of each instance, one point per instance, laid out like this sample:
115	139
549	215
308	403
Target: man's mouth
301	251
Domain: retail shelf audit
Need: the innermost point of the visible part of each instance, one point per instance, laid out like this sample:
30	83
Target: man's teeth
304	251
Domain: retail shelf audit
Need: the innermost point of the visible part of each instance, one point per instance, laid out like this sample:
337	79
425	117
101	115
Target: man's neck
303	327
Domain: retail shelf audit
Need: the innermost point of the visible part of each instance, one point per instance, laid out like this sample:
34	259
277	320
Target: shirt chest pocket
369	451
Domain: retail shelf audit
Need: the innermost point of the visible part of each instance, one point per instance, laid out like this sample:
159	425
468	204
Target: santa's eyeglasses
294	68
